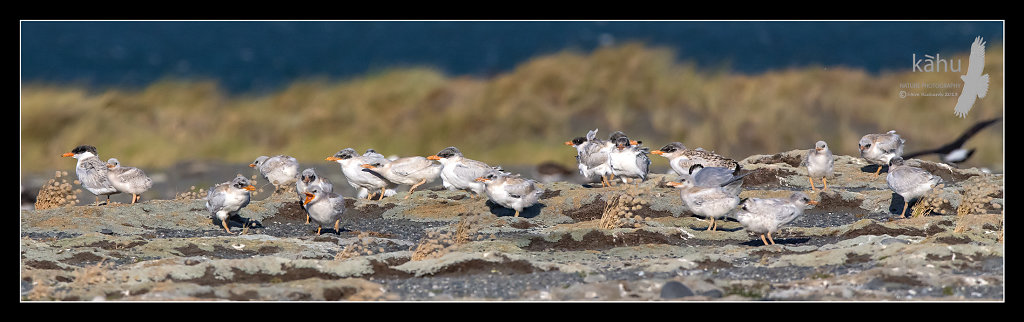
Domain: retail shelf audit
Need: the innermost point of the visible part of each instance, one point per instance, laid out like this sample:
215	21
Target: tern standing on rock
459	172
880	148
128	179
92	172
510	191
765	216
707	202
309	178
324	207
364	181
592	157
413	171
718	177
909	182
280	170
681	159
629	161
226	199
819	161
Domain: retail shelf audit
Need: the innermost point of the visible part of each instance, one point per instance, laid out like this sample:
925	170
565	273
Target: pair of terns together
106	179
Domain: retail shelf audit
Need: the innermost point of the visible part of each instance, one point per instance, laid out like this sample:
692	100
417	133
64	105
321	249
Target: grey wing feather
472	170
215	198
96	174
135	176
908	178
405	167
521	188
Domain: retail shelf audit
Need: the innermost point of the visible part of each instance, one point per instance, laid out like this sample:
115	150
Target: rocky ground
579	243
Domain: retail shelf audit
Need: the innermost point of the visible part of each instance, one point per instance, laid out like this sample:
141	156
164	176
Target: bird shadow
238	222
778	241
873	167
501	211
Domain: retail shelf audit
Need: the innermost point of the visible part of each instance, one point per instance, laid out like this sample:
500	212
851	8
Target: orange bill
332	158
309	197
250	188
482	179
433	157
252	165
368	166
68	154
812	202
568	143
658	152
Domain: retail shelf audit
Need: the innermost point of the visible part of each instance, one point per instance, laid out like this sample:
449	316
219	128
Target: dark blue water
261	56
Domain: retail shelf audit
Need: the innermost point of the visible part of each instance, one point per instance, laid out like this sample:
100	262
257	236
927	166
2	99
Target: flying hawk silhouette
975	84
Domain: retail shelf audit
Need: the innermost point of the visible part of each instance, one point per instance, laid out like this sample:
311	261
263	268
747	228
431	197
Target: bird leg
307	217
336	226
225	224
825	180
904	209
381	194
414	187
879	170
318	227
812	183
712	224
764	241
770	238
517	213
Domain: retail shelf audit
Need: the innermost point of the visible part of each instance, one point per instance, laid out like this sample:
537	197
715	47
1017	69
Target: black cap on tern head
84	148
449	152
346	153
673	147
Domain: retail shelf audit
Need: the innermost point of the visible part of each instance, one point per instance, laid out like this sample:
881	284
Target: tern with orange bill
279	170
308	178
592	157
360	178
413	171
92	172
681	159
324	207
459	172
227	199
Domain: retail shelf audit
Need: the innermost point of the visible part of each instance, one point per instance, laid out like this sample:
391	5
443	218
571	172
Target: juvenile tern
592	157
510	191
880	148
819	162
629	161
92	172
707	202
279	170
681	159
308	178
765	216
128	179
413	171
459	172
226	199
711	177
324	207
909	182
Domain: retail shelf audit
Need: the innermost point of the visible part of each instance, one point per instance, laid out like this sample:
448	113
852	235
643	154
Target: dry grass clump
57	194
365	246
931	202
976	200
621	212
436	244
